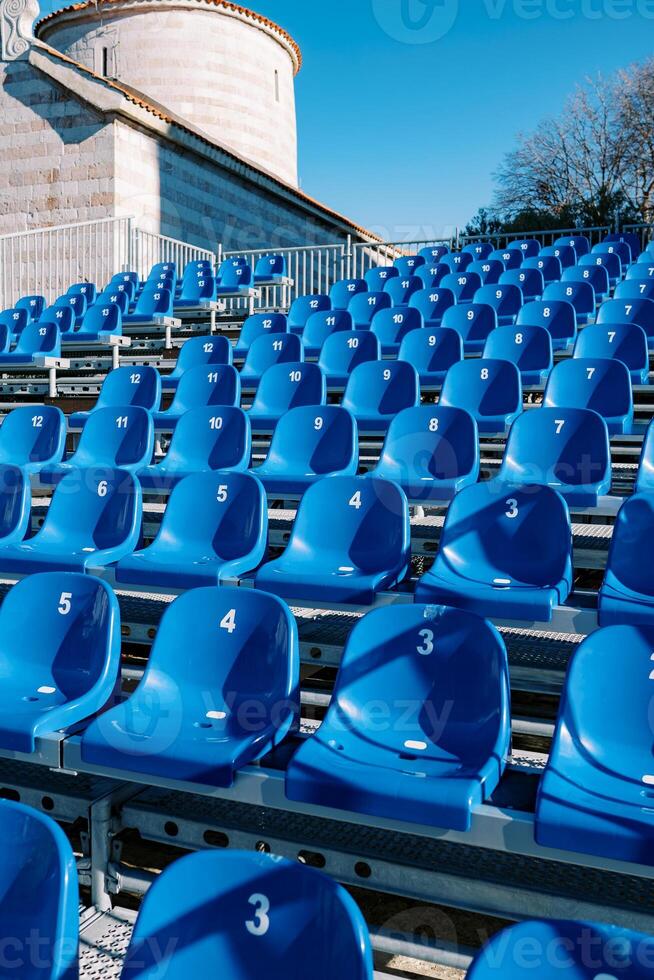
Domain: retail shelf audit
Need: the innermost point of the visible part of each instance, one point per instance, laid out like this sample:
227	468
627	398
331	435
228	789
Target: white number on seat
42	331
590	372
398	318
295	376
512	504
216	422
355	500
64	603
37	421
559	423
277	345
267	324
121	422
433	425
260	923
228	622
484	374
353	343
102	488
518	338
432	340
387	375
135	379
470	314
207	348
611	336
427	645
547	312
318	423
212	377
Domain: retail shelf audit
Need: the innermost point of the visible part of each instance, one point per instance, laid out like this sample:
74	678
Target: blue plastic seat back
34	305
102	318
62	316
213	384
236	913
594	274
119	299
634	289
124	283
390	326
77	302
401	290
511	258
377	278
558	317
628	587
342	352
625	341
432	304
284	386
100	507
33	435
580	243
432	254
564	253
617	952
40	898
473	322
579	294
407	265
119	438
270	267
606	260
456	262
15	503
154	301
597	383
364	306
479	250
258	325
38	338
197	290
645	478
528	247
505	298
320	326
488	389
431	275
131	386
234	277
549	267
14	321
201	350
161	269
529	281
463	285
529	348
565	448
489	271
432	352
317	440
641	271
209	438
86	289
268	350
5	338
381	388
626	245
342	292
302	308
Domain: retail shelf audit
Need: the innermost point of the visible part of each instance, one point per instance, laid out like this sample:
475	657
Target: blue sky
402	129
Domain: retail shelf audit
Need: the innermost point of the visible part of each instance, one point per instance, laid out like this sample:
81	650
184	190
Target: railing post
130	246
219	254
348	258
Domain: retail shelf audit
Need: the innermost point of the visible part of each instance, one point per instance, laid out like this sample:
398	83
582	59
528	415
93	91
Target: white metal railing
595	234
367	255
313	269
644	231
149	248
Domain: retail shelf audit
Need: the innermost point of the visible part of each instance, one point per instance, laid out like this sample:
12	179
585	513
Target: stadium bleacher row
421	452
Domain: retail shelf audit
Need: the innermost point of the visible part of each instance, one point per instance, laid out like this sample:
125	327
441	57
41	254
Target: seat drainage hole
362	870
312	859
171	828
215	839
9	794
47	803
262	847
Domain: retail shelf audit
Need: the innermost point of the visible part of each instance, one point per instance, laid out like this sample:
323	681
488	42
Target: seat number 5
259	924
64	603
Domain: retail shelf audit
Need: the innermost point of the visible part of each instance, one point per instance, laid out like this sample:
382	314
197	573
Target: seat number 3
259	924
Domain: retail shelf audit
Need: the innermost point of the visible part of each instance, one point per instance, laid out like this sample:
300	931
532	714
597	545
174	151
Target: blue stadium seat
286	386
625	341
302	308
634	289
392	325
511	258
378	390
432	254
544	949
401	290
112	439
39	905
606	260
342	292
431	275
195	292
530	349
597	383
86	289
431	452
614	247
342	352
594	795
152	305
580	244
594	274
15	502
204	440
62	316
377	278
219	906
240	648
234	279
558	317
528	247
504	554
490	390
5	337
463	285
529	281
626	238
14	322
268	350
163	269
125	386
351	539
566	448
580	295
99	323
506	299
456	262
479	250
308	444
59	666
216	384
407	265
34	305
196	351
549	267
641	271
364	306
422	656
432	353
627	593
432	304
115	296
270	270
124	282
320	326
489	271
564	253
473	323
645	478
77	303
33	436
36	340
92	521
646	256
214	528
259	325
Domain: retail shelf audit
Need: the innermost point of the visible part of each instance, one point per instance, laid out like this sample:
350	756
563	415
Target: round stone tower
223	68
